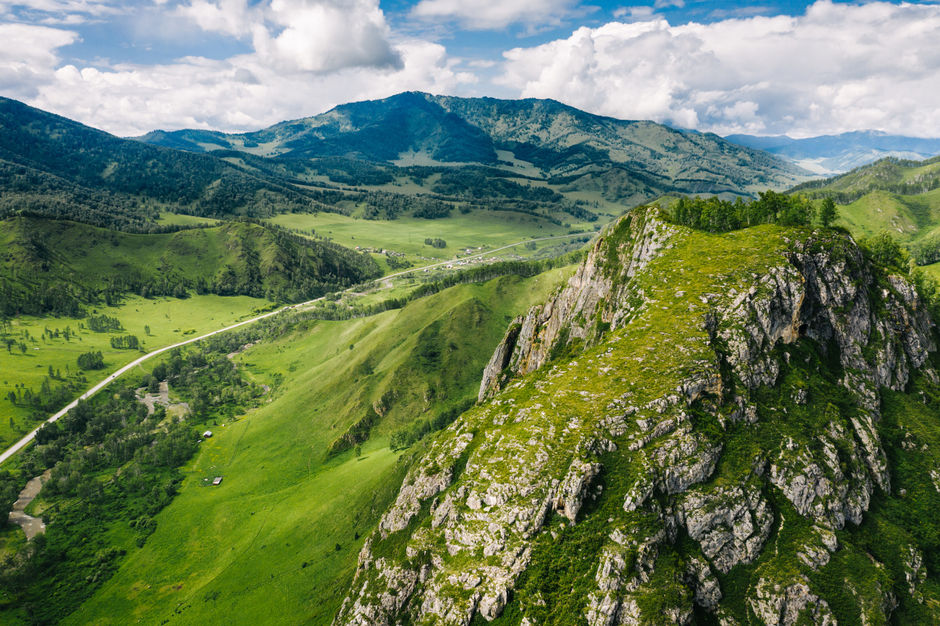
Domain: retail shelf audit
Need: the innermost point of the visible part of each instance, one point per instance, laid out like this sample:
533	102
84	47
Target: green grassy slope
662	387
279	538
895	196
55	266
407	235
170	320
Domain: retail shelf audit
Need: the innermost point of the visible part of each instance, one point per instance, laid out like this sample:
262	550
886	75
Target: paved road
19	445
107	381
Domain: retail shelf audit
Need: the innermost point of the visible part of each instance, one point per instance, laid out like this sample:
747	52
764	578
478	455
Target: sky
764	68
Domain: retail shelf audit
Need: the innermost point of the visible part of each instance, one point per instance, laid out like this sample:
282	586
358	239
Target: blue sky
798	68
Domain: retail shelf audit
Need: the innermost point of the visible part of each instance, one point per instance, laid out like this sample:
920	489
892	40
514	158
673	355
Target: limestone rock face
638	406
594	290
730	523
784	605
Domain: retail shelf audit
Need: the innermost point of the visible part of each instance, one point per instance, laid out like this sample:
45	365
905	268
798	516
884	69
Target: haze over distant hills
834	154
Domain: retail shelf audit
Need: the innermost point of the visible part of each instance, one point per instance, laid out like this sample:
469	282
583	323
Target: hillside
895	196
835	154
52	166
738	428
279	538
57	266
544	139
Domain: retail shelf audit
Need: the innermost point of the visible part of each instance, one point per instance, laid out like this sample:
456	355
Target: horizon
287	121
782	67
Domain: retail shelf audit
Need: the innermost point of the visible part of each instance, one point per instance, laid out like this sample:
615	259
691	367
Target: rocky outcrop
599	292
731	523
777	604
640	388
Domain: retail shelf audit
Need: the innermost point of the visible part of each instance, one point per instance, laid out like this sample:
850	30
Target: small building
207	434
217	480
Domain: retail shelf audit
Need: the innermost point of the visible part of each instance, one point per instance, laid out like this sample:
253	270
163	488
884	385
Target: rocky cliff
692	429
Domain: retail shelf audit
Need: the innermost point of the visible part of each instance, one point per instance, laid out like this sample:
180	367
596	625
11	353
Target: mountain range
835	154
717	410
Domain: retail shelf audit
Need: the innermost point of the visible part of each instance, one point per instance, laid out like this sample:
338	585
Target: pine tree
827	213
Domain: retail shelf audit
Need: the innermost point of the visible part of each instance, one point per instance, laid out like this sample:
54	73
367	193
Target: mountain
834	154
52	166
412	154
57	266
543	139
736	428
896	196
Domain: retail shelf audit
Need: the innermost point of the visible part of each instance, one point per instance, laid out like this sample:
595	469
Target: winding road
22	443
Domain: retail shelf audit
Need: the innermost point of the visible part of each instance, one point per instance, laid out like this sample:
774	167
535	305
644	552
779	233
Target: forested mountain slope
541	138
738	427
53	166
901	198
58	266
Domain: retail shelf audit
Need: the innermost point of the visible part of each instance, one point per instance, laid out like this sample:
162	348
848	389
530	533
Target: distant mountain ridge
413	155
835	154
544	138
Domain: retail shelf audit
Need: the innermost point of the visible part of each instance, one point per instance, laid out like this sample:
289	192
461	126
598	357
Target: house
207	434
217	480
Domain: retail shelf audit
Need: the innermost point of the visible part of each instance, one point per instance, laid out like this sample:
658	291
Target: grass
490	229
170	320
278	538
179	219
933	270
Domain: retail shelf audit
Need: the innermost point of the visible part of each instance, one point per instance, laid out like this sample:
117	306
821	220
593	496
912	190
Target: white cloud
635	14
326	35
495	14
61	11
306	35
305	57
28	56
229	17
838	67
240	93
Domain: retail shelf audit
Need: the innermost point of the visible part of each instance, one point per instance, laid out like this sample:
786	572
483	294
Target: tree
147	330
91	361
827	212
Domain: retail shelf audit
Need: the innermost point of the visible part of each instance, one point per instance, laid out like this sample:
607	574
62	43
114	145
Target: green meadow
491	229
179	219
169	320
281	534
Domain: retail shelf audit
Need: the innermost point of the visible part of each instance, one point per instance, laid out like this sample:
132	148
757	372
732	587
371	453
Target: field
932	270
280	536
169	319
179	219
490	229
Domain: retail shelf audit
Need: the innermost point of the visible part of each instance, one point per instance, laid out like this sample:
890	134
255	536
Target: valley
464	360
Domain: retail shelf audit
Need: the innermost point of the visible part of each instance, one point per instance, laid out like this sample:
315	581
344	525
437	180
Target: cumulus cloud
28	56
836	68
326	35
304	57
229	17
239	93
494	14
307	35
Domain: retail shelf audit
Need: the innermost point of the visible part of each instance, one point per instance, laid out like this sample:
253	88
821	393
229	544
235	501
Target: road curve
104	383
19	445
